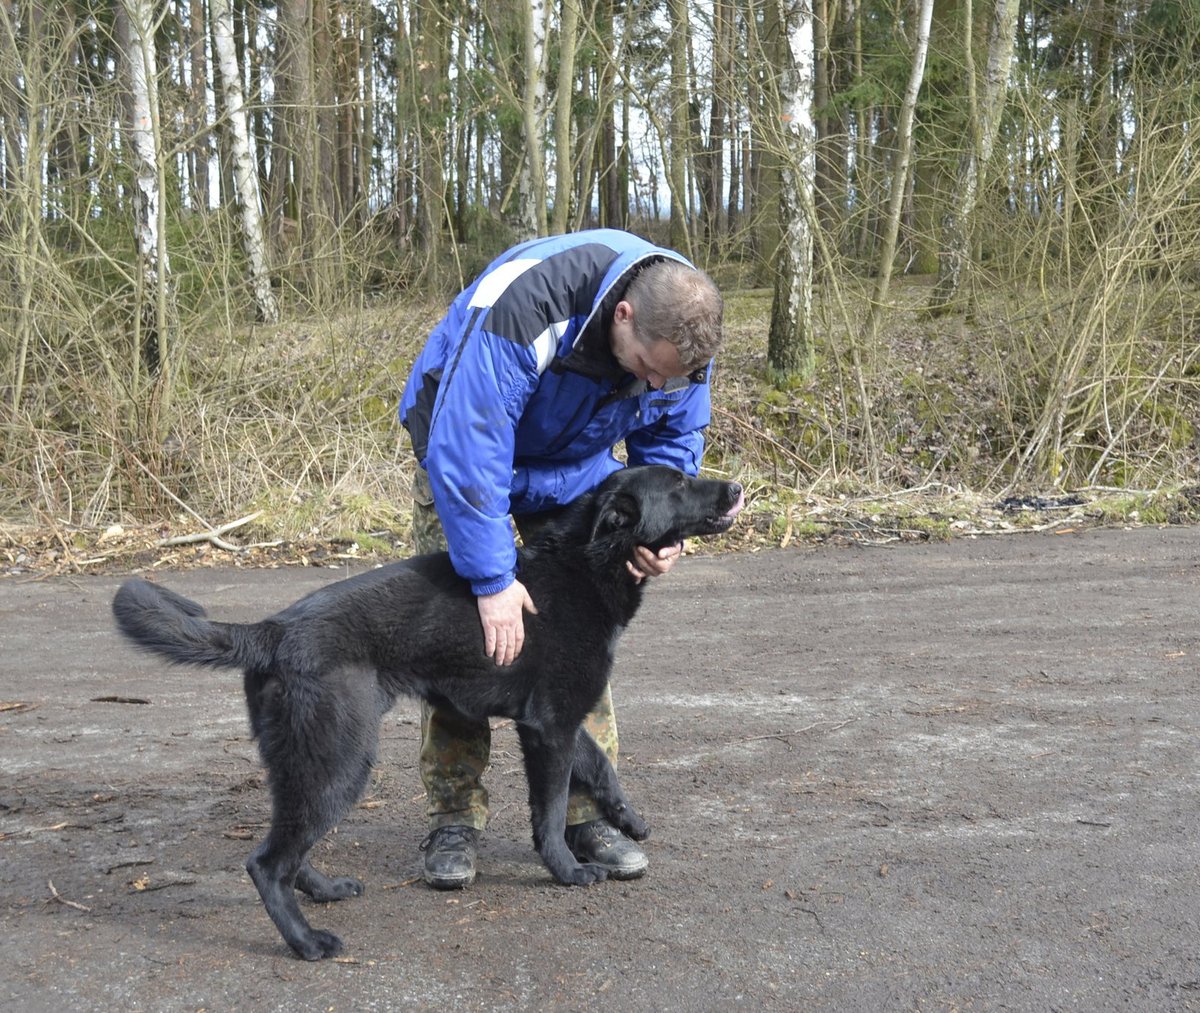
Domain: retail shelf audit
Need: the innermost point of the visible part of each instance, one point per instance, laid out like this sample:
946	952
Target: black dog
320	674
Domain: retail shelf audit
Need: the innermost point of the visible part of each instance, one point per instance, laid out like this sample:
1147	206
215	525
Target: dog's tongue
734	510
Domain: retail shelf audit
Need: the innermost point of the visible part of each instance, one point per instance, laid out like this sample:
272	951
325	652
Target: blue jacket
516	402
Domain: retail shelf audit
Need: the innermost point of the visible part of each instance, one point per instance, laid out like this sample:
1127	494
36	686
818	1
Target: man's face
655	363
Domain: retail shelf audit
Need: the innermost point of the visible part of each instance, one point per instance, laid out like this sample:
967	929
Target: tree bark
790	350
245	175
904	140
955	256
677	153
564	169
136	25
21	209
431	41
531	187
605	158
198	105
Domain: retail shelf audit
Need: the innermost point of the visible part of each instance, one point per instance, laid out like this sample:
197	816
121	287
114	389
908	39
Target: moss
772	397
1118	509
369	544
936	529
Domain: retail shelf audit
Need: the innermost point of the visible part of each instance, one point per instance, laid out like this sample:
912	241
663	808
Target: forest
959	240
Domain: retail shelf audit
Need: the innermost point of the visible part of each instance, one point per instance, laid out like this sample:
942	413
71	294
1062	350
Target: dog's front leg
548	763
593	772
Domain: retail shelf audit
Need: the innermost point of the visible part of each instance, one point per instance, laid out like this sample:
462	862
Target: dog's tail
175	627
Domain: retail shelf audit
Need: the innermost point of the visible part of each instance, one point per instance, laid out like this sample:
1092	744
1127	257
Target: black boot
600	843
450	857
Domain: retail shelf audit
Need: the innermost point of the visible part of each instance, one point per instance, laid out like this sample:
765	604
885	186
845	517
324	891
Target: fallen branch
145	886
784	736
42	830
212	535
55	895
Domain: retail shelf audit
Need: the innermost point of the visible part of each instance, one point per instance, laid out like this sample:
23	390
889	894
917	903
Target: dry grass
296	424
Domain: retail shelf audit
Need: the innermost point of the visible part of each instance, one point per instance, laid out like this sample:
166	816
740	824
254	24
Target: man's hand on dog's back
502	615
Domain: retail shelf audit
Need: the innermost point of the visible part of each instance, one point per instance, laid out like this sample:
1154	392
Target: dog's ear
615	511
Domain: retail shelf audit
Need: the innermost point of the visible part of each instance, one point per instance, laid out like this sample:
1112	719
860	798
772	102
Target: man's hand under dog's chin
646	563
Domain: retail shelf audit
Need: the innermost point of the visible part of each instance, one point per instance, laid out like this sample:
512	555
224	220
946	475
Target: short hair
680	303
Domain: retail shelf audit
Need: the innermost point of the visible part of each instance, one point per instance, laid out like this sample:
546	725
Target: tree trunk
677	153
245	175
22	204
822	90
303	140
955	256
431	62
281	182
710	162
790	349
198	105
606	128
904	141
366	127
136	24
863	116
564	171
531	189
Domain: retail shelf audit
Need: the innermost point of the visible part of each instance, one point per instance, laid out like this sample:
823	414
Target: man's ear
615	511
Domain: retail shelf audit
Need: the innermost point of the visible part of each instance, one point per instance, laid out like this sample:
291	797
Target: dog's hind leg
274	867
325	889
548	770
592	771
318	769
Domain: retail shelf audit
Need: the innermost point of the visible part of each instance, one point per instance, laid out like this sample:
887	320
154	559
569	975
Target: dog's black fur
320	674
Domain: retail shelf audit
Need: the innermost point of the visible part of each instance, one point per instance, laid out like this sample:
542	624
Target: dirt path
959	776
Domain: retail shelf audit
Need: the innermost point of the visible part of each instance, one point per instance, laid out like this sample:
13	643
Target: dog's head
657	506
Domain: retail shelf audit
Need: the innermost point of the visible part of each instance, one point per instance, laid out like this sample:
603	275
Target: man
561	349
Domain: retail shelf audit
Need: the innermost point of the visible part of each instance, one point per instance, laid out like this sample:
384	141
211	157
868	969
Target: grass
296	422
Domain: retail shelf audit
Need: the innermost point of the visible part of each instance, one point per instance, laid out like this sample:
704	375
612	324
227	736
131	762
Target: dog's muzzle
726	519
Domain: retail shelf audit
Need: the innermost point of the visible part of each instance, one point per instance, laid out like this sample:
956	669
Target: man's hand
503	622
648	564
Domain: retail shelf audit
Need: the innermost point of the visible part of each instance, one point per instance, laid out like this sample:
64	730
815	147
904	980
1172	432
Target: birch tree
955	254
531	185
135	28
904	141
790	338
245	174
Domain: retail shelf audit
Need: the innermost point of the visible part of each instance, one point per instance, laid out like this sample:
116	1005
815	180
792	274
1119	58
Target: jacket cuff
493	585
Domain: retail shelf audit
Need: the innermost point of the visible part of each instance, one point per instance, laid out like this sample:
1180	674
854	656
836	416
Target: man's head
668	323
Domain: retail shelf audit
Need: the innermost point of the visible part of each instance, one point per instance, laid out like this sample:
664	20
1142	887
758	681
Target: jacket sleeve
470	455
676	438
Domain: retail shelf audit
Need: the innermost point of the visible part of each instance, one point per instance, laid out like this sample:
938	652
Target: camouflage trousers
455	752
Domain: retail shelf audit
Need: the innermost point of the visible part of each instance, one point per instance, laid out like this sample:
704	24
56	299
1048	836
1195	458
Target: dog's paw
583	875
318	945
339	888
627	820
591	873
